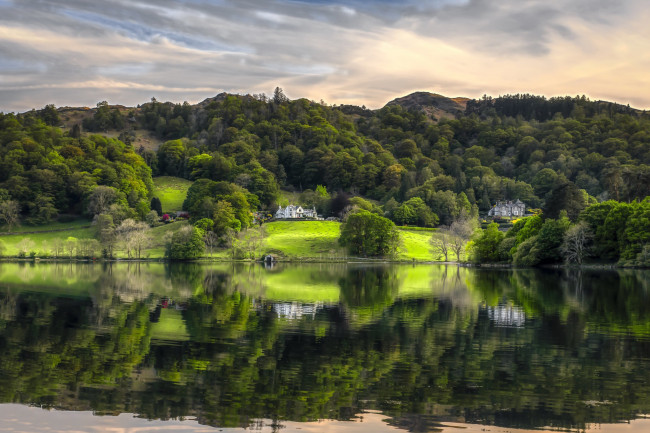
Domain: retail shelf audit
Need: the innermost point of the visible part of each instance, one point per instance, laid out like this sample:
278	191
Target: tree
576	243
568	197
152	218
43	209
105	231
461	231
10	213
367	234
485	247
211	240
100	199
134	236
186	243
58	247
424	216
25	246
404	215
224	217
550	238
279	96
70	245
441	243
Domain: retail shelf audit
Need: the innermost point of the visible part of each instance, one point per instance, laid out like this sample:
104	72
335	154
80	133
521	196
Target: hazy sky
79	52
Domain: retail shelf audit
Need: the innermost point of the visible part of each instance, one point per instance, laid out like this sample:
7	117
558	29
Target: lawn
319	239
43	239
303	239
415	245
171	191
55	225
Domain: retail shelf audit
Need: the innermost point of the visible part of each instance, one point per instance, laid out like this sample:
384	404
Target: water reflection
232	344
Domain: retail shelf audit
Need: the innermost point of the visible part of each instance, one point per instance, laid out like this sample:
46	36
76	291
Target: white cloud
74	51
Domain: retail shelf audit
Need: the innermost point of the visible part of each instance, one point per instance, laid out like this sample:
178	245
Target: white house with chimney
295	212
508	209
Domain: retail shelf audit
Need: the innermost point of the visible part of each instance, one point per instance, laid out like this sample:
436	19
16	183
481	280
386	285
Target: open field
171	191
415	245
303	239
319	239
76	224
42	240
295	240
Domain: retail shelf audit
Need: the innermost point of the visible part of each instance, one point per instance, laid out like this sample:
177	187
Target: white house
508	209
293	212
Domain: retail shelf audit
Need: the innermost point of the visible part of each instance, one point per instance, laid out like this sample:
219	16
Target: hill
422	160
434	105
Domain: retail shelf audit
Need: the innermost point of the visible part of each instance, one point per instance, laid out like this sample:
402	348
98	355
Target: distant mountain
435	105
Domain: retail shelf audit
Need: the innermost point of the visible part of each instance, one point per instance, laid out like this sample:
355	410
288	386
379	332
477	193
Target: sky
25	419
362	52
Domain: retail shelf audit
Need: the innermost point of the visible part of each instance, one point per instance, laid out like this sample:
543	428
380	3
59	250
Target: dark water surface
201	348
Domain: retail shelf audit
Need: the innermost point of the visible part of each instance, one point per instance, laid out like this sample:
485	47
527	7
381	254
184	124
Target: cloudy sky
79	52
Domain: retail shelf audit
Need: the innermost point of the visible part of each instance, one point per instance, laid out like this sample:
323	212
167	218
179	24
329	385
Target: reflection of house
294	310
508	209
291	212
507	316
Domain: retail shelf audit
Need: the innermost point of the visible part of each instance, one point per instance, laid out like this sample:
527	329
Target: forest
574	162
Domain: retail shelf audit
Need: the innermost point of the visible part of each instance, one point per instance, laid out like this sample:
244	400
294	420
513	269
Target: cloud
78	52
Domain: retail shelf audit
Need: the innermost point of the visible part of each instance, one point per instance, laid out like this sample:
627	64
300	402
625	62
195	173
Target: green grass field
303	239
319	239
70	225
171	191
297	240
43	240
415	245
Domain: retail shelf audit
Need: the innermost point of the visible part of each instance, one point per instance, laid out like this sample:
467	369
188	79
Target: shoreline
308	260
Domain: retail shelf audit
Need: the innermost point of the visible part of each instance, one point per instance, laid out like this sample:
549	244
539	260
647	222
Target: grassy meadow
171	191
319	240
303	239
293	240
415	245
43	236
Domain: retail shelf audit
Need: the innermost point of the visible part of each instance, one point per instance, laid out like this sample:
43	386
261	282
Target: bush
367	234
187	243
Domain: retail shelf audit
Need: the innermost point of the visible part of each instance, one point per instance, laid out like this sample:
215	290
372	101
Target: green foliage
485	247
156	205
186	243
637	230
369	235
48	172
517	147
171	191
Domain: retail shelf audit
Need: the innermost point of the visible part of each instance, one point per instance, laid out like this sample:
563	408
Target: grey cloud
518	26
167	48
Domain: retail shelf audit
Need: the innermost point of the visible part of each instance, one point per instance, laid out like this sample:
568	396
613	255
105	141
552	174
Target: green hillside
171	191
303	239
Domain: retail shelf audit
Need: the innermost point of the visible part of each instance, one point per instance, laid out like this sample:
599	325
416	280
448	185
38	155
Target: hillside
434	105
422	160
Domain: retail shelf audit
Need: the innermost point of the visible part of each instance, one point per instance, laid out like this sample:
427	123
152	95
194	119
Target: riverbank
294	241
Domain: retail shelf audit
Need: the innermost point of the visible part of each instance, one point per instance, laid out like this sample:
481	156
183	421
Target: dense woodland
559	155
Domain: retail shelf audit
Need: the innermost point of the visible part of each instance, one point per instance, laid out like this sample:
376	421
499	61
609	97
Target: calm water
202	348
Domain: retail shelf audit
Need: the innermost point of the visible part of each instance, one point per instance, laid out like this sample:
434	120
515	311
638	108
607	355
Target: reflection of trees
424	355
369	289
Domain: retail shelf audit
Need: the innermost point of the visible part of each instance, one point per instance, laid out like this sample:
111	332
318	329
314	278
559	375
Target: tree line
241	151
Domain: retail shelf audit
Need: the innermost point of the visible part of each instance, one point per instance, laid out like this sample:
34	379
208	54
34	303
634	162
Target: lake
140	347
